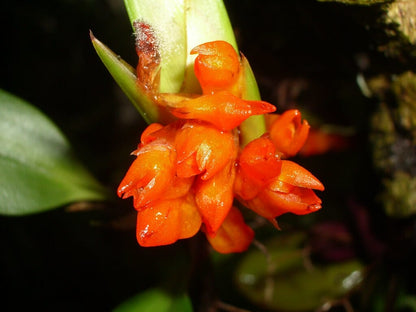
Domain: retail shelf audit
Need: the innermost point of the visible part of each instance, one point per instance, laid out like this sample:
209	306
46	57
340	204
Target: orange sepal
234	235
245	187
203	149
221	109
299	201
214	197
257	164
259	161
150	174
217	67
167	221
271	204
148	133
296	175
288	133
178	187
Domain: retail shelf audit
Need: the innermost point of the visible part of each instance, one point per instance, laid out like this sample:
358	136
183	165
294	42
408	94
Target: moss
404	89
393	139
403	13
399	198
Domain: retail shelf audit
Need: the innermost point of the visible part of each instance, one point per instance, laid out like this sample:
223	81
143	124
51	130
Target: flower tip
213	48
314	207
92	37
263	107
274	222
295	174
121	191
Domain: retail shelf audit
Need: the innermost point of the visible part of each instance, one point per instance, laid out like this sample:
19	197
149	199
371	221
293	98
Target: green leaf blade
296	287
38	169
156	300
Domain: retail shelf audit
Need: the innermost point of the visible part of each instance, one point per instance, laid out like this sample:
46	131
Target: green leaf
287	283
156	300
126	78
38	170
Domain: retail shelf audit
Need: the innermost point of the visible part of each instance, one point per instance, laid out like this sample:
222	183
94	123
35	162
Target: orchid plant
211	142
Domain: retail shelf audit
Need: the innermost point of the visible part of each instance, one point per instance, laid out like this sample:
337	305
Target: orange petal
202	148
233	235
270	204
299	201
147	135
217	67
167	221
288	133
150	174
155	131
295	174
258	160
214	197
222	109
245	187
279	186
257	165
178	187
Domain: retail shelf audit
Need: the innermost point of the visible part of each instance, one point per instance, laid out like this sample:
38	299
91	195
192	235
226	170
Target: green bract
38	170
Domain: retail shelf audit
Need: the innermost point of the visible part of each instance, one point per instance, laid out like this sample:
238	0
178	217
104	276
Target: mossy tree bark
393	123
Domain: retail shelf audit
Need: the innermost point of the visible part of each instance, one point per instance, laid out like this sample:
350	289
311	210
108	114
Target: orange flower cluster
187	174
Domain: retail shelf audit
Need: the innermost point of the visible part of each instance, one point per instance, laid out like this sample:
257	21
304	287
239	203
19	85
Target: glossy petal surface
150	174
288	133
270	204
233	235
214	197
259	161
217	67
167	221
203	149
296	175
223	109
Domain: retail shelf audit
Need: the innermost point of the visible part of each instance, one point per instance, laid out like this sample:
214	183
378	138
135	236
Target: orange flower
288	133
222	109
203	149
217	67
257	165
188	172
214	197
150	175
166	221
183	169
290	191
